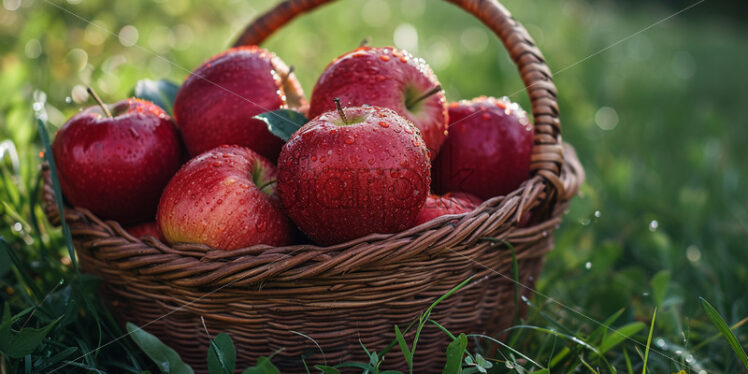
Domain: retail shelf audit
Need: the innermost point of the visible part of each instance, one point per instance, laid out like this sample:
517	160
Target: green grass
658	120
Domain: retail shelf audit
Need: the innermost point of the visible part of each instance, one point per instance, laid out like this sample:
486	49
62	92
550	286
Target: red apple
450	203
224	198
488	149
216	103
145	229
117	166
343	176
389	78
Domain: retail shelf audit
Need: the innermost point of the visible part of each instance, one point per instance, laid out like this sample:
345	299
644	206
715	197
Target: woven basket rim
207	266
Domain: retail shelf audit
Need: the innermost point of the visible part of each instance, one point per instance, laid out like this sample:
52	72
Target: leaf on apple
161	92
283	122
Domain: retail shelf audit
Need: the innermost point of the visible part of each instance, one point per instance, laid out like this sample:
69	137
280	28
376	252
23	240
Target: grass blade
404	347
56	186
649	341
629	368
721	325
619	335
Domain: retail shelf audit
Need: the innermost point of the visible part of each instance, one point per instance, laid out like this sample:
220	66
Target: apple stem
99	101
340	110
268	183
409	104
288	75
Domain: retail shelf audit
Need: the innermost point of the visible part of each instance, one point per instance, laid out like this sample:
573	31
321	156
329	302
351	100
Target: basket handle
547	155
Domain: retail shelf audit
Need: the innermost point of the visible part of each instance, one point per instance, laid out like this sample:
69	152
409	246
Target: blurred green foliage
658	119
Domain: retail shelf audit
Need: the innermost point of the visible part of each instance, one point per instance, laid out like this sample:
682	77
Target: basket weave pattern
286	300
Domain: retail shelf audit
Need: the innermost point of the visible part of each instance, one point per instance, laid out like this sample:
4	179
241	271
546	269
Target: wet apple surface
118	166
389	78
216	103
342	178
224	198
488	149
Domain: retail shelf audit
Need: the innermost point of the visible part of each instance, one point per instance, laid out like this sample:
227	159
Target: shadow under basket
319	304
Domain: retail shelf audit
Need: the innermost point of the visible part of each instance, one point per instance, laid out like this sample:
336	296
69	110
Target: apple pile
238	164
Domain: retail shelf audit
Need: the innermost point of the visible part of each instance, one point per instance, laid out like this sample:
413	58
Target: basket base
330	336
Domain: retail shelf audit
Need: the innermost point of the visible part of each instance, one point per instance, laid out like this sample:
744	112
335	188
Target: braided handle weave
547	156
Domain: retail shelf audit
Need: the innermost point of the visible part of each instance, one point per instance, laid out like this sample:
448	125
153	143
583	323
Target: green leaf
283	122
161	92
221	355
264	366
167	360
482	362
327	369
25	341
659	286
721	325
615	337
455	351
403	346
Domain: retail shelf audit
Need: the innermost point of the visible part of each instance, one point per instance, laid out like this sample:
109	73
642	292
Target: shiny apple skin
384	77
217	101
213	200
487	152
340	182
449	203
117	166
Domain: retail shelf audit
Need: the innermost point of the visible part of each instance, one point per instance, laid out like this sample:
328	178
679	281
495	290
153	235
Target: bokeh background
659	118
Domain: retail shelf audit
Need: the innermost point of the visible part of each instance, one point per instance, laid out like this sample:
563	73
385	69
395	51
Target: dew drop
653	225
588	265
660	342
350	140
384	124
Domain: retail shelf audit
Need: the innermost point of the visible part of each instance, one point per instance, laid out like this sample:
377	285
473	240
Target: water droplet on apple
219	201
371	161
384	124
322	159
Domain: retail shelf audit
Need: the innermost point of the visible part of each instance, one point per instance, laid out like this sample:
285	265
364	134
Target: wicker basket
279	299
